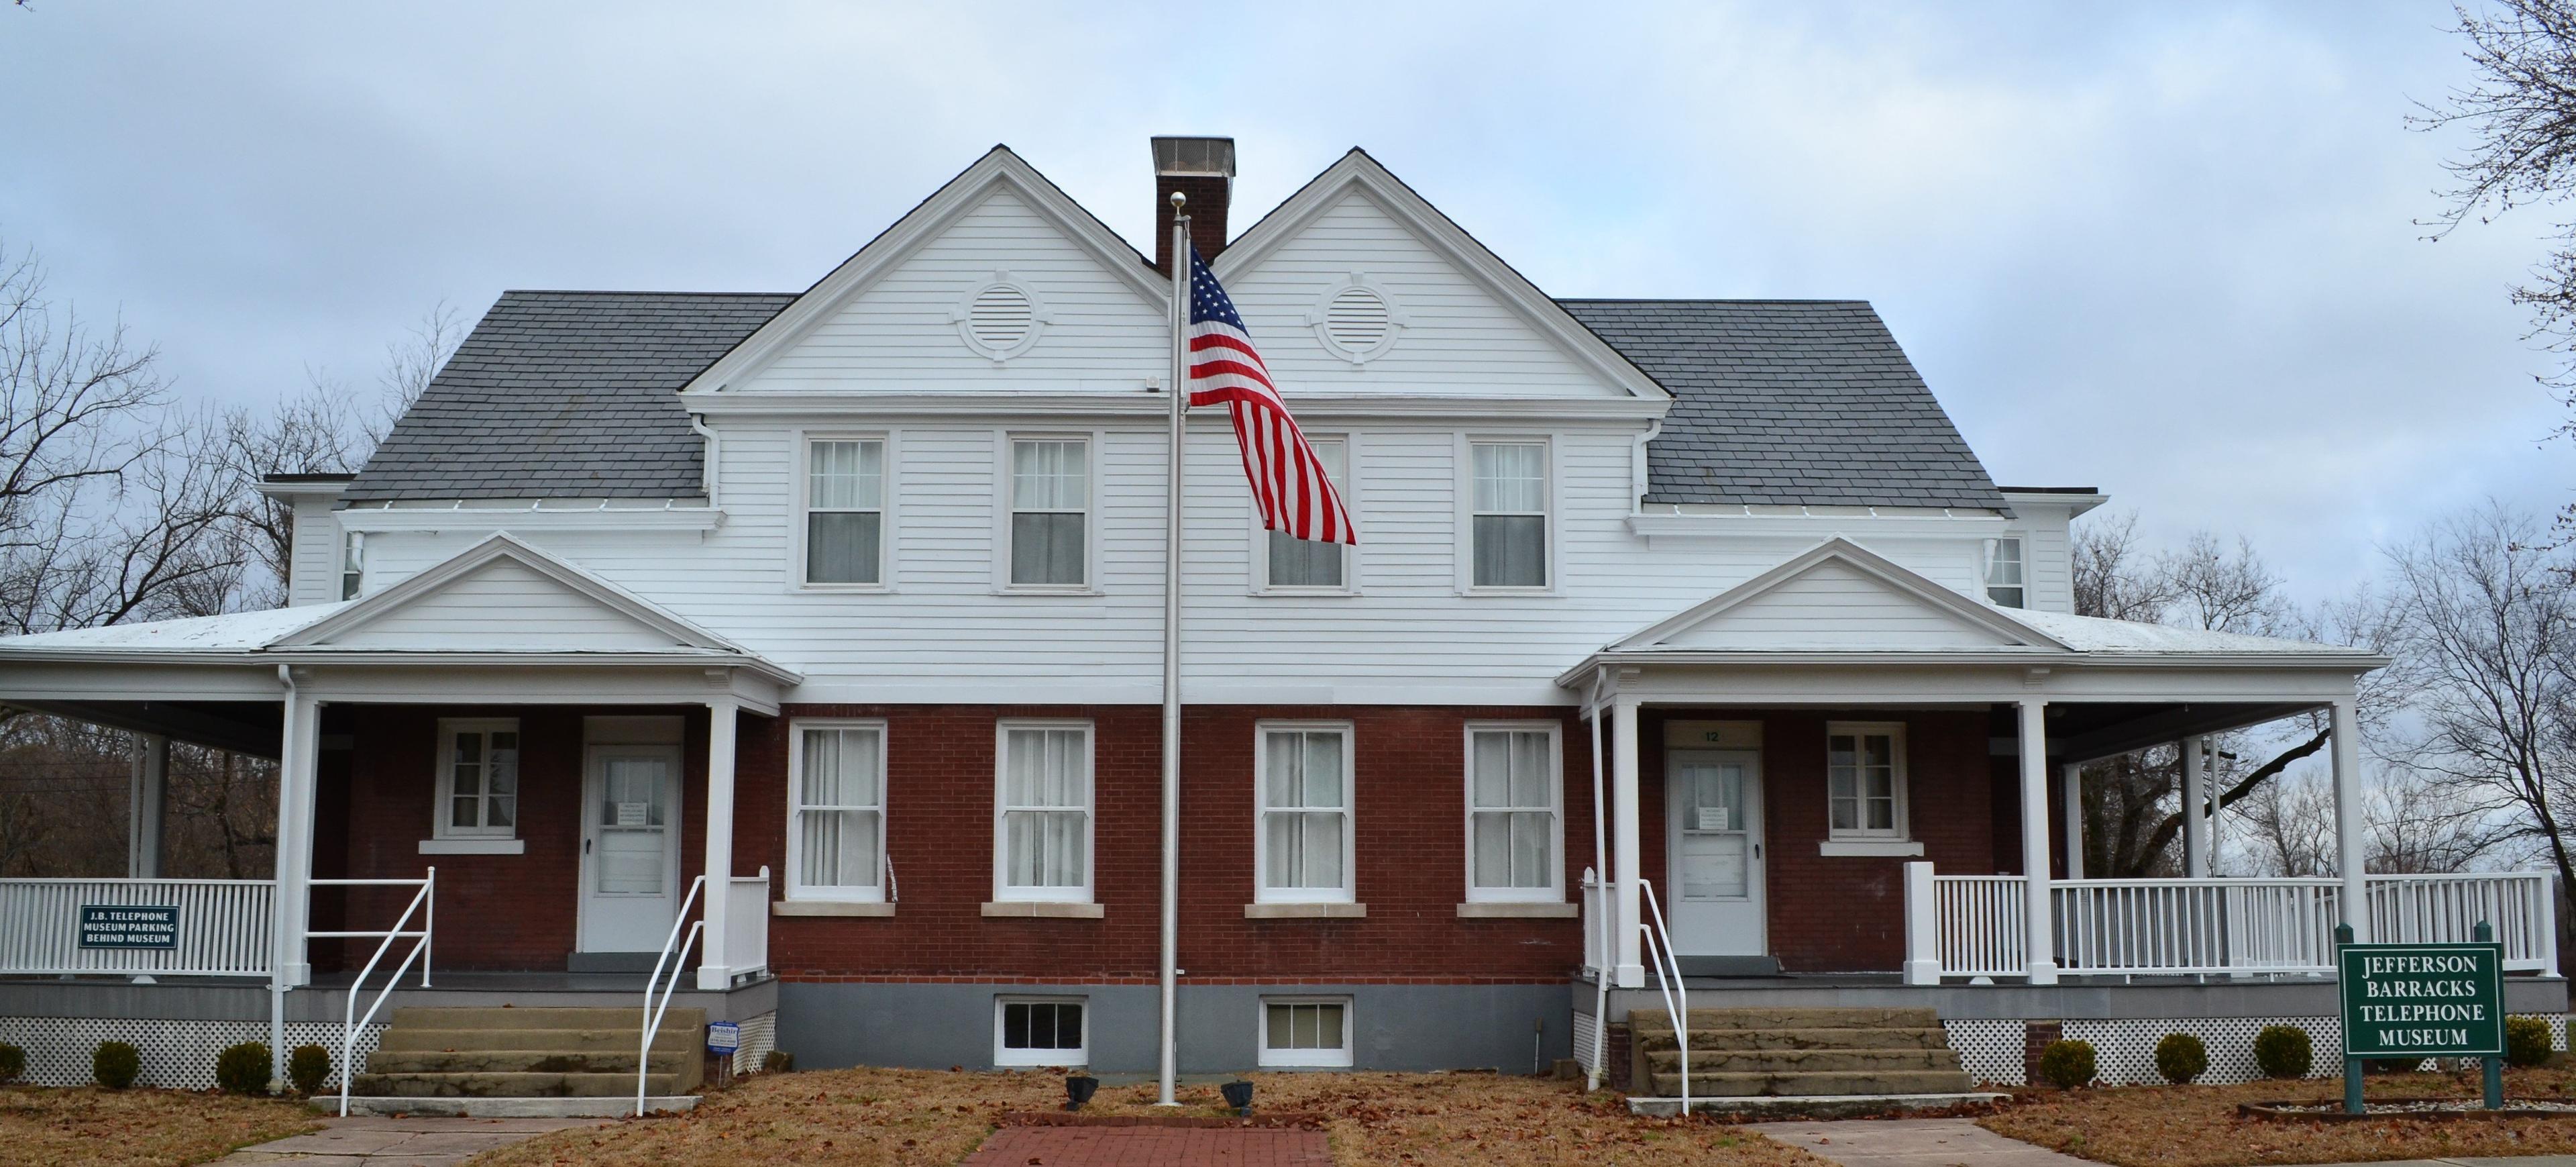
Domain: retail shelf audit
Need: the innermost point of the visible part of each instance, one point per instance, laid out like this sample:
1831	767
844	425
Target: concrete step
504	1017
567	1041
481	1061
1715	1019
1810	1085
523	1085
1801	1061
1661	1038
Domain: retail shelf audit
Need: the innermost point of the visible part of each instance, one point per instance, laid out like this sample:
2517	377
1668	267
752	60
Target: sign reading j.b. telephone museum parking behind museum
2423	1000
129	926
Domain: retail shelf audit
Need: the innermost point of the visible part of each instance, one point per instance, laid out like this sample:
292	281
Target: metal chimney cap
1208	157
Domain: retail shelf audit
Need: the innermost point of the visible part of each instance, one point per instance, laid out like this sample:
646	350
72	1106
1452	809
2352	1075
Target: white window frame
797	889
1894	731
1004	441
1554	892
1465	489
442	819
1003	892
1262	893
1005	1056
801	507
1989	558
353	564
1348	487
1302	1058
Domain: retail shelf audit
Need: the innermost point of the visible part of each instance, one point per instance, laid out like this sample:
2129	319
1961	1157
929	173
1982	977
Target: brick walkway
1150	1146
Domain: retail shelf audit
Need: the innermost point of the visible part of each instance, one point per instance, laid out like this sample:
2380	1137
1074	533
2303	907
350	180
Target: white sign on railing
156	927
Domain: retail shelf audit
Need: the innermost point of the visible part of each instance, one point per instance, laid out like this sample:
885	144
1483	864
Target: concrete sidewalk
377	1141
1960	1142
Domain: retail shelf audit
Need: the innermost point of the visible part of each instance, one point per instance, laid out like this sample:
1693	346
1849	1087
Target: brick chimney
1203	169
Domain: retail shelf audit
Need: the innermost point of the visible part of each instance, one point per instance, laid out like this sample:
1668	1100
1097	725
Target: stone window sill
1517	911
473	846
1870	848
1043	910
829	908
1305	911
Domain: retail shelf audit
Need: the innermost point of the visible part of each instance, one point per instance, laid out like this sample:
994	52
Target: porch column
2195	827
299	743
2072	779
2039	960
1625	843
715	966
2348	829
149	792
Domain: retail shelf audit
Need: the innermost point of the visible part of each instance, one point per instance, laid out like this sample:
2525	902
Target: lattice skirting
2124	1051
1584	1036
177	1054
759	1036
1990	1051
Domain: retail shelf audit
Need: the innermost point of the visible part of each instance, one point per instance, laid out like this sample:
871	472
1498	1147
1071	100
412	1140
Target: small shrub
116	1064
2526	1041
13	1062
2180	1057
308	1066
243	1068
2066	1064
2283	1051
778	1061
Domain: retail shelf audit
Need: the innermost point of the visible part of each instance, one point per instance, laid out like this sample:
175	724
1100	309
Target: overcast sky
2173	254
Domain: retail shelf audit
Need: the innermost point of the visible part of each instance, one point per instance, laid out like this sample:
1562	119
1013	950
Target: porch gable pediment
502	595
1839	596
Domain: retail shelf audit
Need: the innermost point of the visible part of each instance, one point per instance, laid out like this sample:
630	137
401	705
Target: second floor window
2004	573
1050	509
1045	811
845	512
353	564
1508	514
1306	563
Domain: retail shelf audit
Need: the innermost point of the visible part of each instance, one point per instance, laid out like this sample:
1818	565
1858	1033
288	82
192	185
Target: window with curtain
1512	793
1508	502
1865	781
837	812
1046	813
844	511
1050	506
353	564
2004	572
1305	829
478	778
1307	563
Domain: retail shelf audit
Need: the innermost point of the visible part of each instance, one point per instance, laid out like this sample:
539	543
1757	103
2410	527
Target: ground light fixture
1238	1094
1078	1089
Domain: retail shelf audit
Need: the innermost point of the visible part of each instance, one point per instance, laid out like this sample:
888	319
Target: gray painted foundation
2218	997
1393	1027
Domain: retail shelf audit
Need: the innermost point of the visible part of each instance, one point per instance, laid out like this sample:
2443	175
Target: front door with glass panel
630	848
1713	836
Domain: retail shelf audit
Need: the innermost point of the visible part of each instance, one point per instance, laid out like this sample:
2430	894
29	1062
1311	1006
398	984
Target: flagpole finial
1179	200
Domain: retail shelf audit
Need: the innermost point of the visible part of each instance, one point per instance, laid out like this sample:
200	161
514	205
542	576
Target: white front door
630	848
1713	834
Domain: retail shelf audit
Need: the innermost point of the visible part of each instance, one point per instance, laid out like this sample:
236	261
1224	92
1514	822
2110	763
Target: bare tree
2413	825
412	362
318	432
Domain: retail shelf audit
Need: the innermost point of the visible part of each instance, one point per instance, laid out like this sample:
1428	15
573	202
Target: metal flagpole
1179	389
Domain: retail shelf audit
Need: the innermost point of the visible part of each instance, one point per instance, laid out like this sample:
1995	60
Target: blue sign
723	1037
129	926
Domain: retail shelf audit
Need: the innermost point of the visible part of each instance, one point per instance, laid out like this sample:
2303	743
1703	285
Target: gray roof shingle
571	395
1789	402
565	395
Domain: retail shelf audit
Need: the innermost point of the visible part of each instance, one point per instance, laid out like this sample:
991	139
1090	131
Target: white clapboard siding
313	553
1830	606
503	605
900	332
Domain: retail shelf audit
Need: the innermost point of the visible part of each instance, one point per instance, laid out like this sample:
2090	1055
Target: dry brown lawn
136	1128
870	1117
2196	1126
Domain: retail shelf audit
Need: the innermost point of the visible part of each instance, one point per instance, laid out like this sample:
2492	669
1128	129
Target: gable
503	606
1833	605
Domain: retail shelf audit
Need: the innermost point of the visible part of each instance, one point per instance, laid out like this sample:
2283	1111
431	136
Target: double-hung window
353	564
836	811
1514	787
845	511
1865	780
1050	512
1508	513
478	779
1304	842
2004	572
1307	563
1043	847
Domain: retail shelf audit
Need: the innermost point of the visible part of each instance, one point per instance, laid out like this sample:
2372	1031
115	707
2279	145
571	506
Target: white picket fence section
2196	925
1981	931
224	926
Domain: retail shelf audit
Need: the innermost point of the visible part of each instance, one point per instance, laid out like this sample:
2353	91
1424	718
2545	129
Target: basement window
1041	1031
1305	1031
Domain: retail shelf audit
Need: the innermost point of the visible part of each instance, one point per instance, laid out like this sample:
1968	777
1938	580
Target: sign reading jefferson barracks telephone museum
2423	1000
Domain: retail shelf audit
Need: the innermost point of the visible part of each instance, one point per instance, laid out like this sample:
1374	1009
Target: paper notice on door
1713	818
633	814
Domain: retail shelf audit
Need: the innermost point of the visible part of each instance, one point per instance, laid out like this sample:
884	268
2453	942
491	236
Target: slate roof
1789	401
565	395
572	395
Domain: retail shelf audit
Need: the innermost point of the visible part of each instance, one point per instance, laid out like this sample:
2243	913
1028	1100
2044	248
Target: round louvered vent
1356	319
1000	317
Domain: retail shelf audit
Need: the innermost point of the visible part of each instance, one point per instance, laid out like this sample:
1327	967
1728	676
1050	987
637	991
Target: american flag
1288	484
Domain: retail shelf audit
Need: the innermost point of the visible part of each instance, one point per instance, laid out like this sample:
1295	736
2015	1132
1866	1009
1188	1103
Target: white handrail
423	901
1672	985
652	1015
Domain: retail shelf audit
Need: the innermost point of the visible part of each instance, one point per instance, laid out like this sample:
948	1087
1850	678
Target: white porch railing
223	927
747	924
1976	924
1596	938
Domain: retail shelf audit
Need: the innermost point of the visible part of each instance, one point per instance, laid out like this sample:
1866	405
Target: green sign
2422	1000
129	926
